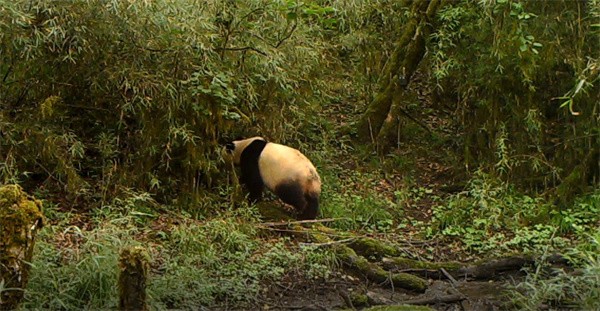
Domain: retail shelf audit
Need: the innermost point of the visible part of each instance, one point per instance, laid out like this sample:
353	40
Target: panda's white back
279	163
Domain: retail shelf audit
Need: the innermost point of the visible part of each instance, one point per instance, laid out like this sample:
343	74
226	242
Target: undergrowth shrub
223	260
491	215
525	68
355	203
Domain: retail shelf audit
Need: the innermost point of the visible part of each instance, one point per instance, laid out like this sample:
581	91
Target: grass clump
558	288
193	263
75	269
356	202
224	260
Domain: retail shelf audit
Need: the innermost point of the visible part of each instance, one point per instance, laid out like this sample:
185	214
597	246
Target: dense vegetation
114	113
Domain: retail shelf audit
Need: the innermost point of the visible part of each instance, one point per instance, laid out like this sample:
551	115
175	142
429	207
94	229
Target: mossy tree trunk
584	174
133	265
380	121
20	219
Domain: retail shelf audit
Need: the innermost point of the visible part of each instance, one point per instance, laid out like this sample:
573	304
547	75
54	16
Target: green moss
134	257
134	263
374	248
376	273
359	300
20	218
17	211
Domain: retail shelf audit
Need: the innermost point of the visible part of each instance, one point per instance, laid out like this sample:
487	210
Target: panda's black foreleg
255	197
255	190
252	180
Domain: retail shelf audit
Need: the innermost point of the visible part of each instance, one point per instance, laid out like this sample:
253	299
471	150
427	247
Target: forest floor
218	258
430	169
343	289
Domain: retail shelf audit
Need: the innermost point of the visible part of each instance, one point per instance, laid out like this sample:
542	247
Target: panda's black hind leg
251	172
311	211
293	194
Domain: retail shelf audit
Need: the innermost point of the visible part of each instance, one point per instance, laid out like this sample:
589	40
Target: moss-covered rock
20	219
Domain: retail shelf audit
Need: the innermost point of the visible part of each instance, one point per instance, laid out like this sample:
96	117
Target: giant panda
284	170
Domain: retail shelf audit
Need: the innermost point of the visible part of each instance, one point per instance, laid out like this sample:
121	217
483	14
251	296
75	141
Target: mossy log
347	253
133	265
375	273
357	263
373	248
20	219
480	270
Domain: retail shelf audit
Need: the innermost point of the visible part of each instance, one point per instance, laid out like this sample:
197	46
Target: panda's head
236	147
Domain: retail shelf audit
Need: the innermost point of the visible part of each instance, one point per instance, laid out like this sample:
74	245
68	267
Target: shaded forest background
475	123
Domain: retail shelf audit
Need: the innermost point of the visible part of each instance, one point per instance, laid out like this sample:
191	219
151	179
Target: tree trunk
579	178
381	117
20	219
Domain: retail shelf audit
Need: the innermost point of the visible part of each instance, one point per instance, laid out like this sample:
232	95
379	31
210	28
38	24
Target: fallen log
375	273
480	270
356	251
373	248
357	263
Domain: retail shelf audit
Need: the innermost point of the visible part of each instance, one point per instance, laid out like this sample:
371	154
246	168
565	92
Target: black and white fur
284	170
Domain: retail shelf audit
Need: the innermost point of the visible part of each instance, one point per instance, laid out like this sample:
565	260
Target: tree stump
20	219
133	265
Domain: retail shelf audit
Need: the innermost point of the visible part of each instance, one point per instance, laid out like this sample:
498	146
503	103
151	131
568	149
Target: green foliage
579	217
145	110
357	209
491	216
311	10
223	260
518	61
